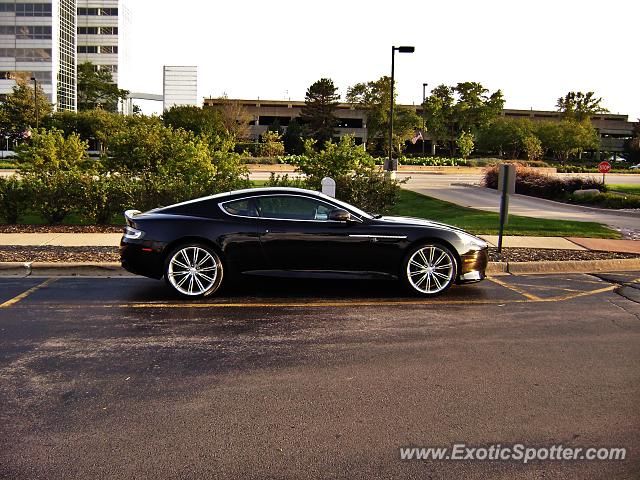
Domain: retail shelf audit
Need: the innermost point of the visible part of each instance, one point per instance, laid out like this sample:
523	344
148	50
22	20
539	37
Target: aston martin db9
196	244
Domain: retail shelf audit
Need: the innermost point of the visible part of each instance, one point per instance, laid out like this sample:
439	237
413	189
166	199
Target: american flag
416	137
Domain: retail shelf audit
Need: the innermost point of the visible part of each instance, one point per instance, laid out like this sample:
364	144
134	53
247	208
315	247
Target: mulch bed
545	255
110	254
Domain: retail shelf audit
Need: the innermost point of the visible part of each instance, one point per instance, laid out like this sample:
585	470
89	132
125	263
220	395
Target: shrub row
606	200
97	198
530	182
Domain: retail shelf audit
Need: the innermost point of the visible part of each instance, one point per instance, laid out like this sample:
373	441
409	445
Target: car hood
420	222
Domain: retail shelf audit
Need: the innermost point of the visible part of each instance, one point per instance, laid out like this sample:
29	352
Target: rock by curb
113	269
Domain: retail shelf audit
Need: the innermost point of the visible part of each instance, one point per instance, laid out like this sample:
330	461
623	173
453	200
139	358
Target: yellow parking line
514	288
25	294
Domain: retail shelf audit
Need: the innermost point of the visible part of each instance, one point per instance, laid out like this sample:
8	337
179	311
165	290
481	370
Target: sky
533	50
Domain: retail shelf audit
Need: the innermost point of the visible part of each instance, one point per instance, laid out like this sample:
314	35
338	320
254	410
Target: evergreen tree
317	114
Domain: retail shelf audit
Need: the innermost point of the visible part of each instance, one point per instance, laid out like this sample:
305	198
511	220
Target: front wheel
194	270
429	269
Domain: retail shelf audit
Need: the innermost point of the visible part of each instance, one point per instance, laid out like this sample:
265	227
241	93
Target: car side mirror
339	215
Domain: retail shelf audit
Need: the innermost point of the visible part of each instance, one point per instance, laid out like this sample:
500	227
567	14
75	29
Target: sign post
604	168
506	185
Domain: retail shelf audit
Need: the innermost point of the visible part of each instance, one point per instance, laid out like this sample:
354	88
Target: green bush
358	180
50	151
54	195
107	195
606	200
14	198
434	161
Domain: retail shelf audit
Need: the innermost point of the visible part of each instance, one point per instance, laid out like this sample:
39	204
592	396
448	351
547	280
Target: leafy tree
467	107
201	121
18	111
293	138
49	151
532	147
234	117
158	149
317	114
93	126
465	144
580	106
271	144
96	89
632	145
567	137
375	98
505	135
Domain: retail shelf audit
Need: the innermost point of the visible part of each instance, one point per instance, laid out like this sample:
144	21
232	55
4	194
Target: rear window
243	208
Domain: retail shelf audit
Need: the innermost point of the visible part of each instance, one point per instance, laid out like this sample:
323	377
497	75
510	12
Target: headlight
472	241
133	233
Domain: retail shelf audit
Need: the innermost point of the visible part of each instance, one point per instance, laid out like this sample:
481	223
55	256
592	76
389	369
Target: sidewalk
113	239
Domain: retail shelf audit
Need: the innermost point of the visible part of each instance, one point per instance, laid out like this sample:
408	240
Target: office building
102	28
38	40
180	86
613	129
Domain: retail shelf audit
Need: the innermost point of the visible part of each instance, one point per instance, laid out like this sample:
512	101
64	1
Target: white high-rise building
102	26
38	40
180	86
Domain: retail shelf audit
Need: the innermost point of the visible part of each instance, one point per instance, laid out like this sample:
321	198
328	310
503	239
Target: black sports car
290	231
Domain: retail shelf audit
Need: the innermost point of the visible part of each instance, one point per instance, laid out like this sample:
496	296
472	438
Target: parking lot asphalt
117	378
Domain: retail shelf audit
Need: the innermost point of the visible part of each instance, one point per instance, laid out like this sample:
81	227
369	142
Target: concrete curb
63	269
113	269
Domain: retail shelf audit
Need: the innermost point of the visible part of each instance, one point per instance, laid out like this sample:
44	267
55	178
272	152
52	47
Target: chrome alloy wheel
193	271
431	269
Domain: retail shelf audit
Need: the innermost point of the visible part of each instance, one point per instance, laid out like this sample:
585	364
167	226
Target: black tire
193	270
429	269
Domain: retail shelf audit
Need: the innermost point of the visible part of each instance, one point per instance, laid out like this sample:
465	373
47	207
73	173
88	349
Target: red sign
604	167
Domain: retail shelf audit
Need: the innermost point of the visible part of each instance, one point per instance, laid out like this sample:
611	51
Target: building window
27	54
107	12
270	120
108	49
108	30
87	49
349	123
87	30
33	9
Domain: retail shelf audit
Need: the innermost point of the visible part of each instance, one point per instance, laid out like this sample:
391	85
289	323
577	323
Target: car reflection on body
194	245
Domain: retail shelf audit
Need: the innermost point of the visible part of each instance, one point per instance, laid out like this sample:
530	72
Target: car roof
224	196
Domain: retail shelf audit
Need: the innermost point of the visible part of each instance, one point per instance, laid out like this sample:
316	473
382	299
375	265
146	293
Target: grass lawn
413	204
625	188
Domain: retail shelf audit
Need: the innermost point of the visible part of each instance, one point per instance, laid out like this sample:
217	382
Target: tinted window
245	208
289	207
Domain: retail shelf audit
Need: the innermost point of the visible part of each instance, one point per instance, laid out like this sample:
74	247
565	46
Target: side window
244	208
288	207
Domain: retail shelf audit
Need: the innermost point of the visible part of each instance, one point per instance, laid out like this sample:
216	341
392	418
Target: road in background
116	378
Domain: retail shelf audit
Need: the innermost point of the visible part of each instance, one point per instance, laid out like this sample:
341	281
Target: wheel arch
436	240
191	239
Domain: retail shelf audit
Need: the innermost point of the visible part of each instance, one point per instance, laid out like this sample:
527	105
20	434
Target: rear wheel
429	269
193	270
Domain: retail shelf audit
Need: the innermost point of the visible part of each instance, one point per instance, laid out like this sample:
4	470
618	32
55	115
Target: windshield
347	206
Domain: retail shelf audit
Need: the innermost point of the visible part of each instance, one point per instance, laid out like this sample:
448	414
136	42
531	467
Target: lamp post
35	98
424	115
391	167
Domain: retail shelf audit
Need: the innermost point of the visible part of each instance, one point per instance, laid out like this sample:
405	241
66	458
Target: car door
296	234
239	236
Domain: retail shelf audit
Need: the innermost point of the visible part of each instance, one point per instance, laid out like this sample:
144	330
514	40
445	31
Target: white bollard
329	186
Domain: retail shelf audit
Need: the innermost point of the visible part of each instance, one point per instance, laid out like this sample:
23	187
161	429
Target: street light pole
35	98
424	116
391	167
